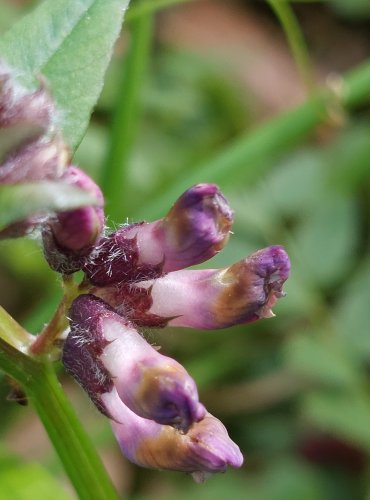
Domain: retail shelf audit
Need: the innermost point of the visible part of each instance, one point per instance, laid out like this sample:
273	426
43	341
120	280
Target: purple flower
205	299
70	236
136	278
205	449
152	385
194	230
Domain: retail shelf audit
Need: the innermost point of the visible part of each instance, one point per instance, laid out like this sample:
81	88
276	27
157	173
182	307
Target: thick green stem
126	117
78	455
73	446
249	156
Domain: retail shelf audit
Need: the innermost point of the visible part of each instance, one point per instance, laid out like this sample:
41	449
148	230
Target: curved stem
296	41
44	342
247	157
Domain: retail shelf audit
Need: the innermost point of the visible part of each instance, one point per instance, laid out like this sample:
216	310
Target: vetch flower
194	230
136	277
205	449
205	299
70	236
152	385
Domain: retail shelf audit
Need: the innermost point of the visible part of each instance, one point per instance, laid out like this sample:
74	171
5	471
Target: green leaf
70	42
321	359
352	315
347	415
22	200
326	240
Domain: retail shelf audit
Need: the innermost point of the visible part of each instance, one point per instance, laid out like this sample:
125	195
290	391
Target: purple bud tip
249	289
164	392
209	298
150	384
205	449
69	237
269	268
196	228
80	228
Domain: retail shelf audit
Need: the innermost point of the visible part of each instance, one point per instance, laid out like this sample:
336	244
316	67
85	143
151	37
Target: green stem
75	450
70	440
249	156
125	118
150	7
296	41
45	342
17	365
12	332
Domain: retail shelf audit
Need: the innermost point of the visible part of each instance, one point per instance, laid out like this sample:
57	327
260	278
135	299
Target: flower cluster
136	277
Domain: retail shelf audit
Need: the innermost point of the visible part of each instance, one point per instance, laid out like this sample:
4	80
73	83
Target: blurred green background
293	391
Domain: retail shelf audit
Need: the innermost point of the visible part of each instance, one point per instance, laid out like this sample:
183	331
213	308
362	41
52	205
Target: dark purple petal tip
254	286
196	228
150	384
205	449
69	237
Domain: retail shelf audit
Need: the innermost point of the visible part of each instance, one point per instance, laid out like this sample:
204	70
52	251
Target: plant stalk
79	457
249	156
296	41
125	118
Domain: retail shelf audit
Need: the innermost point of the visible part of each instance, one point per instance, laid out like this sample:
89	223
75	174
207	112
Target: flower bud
70	236
205	449
151	385
194	230
206	299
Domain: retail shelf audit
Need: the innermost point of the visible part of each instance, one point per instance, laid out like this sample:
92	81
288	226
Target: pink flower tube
206	299
194	230
103	346
205	449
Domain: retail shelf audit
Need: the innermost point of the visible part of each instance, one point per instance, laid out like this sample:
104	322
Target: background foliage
293	391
